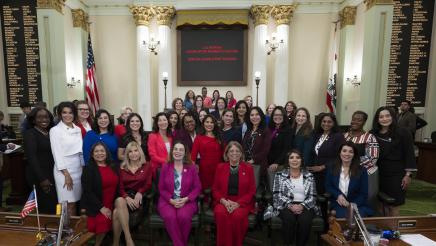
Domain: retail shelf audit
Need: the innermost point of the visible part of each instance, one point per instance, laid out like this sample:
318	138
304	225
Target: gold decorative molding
142	14
370	3
80	19
283	14
164	15
212	17
58	5
260	14
347	16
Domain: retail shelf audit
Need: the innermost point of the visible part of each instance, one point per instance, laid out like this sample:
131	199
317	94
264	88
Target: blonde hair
231	144
126	162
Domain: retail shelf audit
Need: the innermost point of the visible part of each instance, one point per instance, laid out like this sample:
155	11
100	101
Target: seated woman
179	187
233	193
347	182
135	180
294	199
100	188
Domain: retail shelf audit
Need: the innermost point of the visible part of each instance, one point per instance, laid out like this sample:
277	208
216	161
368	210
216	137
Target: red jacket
246	187
157	149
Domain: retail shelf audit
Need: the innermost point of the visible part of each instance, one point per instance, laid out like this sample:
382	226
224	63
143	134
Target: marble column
80	37
52	50
282	15
376	54
260	15
165	16
142	16
345	91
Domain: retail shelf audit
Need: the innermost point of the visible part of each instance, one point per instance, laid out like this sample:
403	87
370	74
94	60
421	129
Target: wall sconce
354	81
152	44
72	83
273	44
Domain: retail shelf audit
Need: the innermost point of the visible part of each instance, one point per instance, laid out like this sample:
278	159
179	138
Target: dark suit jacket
328	151
408	121
92	194
357	192
183	136
281	143
246	186
261	148
304	145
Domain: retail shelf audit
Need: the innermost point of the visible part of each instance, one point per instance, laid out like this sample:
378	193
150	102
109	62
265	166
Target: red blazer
157	150
246	187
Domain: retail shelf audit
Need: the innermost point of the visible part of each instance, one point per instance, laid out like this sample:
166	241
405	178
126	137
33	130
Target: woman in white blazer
66	146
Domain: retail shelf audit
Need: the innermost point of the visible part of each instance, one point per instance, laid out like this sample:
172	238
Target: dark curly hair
69	105
96	128
155	128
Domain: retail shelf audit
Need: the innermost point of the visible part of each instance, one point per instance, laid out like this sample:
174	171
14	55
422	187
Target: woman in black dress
229	130
39	171
396	160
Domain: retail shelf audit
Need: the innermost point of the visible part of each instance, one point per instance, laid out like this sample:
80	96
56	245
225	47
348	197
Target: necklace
42	131
294	176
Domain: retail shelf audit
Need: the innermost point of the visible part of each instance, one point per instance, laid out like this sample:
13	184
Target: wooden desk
14	168
23	235
426	162
425	225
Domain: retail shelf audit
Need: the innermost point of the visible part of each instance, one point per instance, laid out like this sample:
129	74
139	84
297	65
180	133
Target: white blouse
344	181
298	190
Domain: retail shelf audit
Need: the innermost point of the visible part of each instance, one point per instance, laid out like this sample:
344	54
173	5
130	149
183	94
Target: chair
156	222
208	217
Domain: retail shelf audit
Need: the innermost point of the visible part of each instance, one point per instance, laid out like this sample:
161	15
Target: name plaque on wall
410	52
21	51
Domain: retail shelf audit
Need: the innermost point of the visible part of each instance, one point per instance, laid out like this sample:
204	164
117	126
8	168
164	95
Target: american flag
91	81
331	85
30	204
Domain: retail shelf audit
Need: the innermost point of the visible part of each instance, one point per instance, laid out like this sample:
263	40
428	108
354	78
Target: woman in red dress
208	146
100	184
233	196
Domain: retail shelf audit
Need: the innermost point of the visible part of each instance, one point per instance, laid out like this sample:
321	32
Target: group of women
190	150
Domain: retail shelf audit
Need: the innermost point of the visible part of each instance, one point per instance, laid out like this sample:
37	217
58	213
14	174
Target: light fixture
273	44
257	80
152	44
354	81
165	81
72	82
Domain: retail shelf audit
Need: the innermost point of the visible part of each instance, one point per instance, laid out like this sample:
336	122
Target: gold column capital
260	14
283	14
58	5
347	16
165	14
80	19
370	3
142	14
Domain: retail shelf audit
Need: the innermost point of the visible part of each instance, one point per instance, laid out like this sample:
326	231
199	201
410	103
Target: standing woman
230	99
249	100
120	129
290	108
179	187
294	199
208	146
189	99
202	115
135	181
241	109
281	142
159	141
302	129
215	97
66	147
233	196
397	158
177	105
102	131
174	121
257	142
327	142
39	171
84	119
368	150
100	188
198	106
229	131
135	133
347	182
268	113
220	105
188	133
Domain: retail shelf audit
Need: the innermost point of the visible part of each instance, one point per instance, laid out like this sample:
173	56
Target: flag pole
37	212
